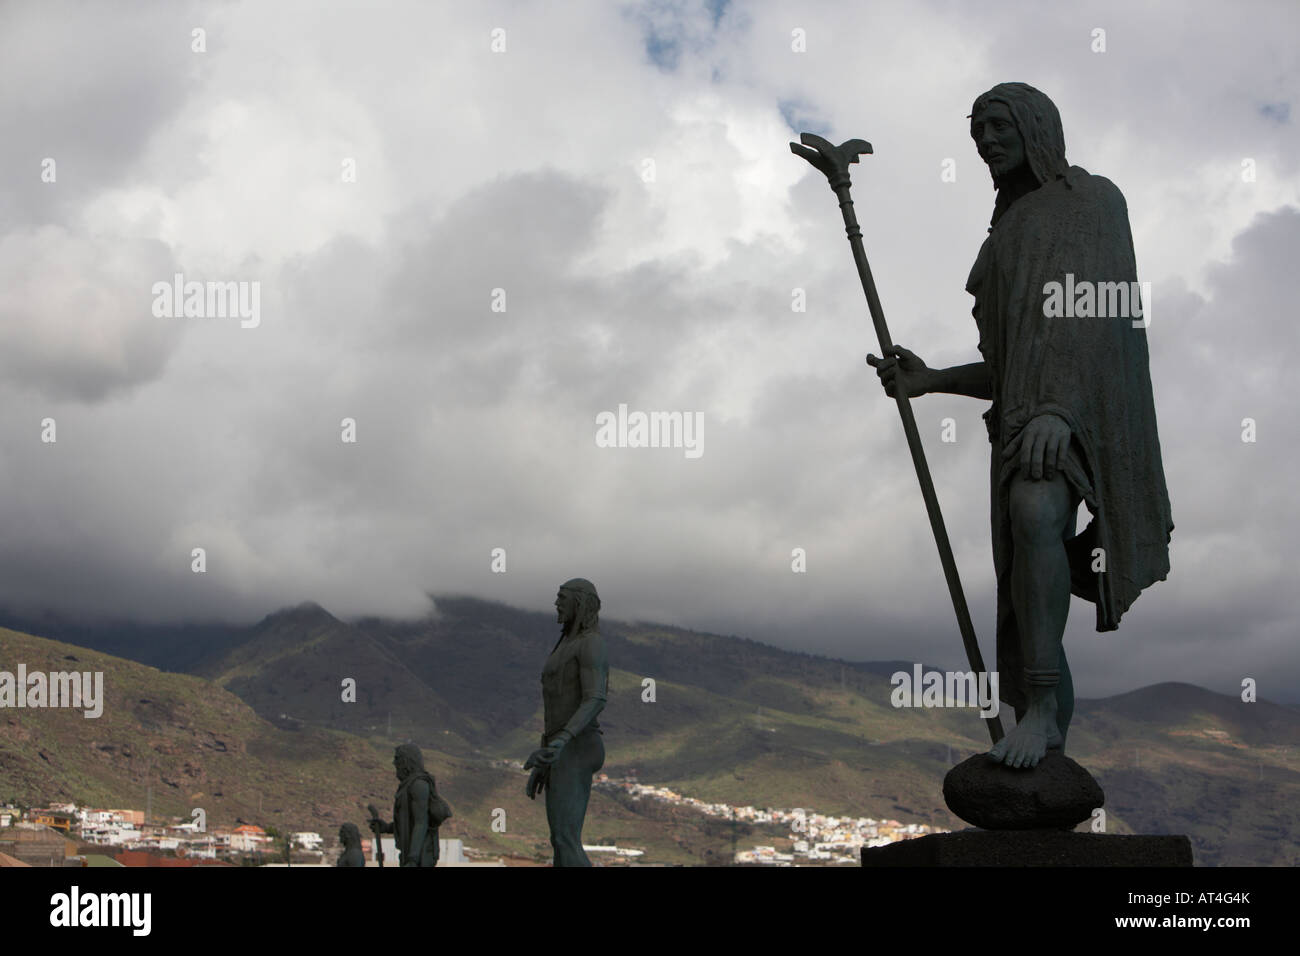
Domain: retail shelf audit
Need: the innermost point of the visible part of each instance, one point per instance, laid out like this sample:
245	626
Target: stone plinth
1032	848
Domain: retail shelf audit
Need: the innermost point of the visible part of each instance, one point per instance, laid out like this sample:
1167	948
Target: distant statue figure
1072	418
574	688
418	811
350	837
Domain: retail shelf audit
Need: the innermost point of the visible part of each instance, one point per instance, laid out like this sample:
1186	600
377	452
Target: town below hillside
64	834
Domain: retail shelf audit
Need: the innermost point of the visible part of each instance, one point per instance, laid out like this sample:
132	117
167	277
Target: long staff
833	162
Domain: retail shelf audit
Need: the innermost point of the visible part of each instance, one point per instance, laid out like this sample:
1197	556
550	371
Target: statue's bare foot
1030	739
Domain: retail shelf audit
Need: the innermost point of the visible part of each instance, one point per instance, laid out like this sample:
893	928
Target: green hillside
732	721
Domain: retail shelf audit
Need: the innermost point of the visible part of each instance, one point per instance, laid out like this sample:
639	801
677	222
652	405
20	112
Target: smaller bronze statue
574	686
350	837
418	811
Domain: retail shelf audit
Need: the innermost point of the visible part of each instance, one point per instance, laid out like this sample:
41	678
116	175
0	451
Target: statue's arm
593	672
919	379
972	380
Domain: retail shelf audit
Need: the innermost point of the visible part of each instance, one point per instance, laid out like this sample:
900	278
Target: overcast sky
621	171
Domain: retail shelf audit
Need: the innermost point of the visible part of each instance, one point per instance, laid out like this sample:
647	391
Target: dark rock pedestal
1056	794
1032	848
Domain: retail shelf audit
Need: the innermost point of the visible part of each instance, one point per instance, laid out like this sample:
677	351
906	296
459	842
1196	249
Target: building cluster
68	833
815	837
65	834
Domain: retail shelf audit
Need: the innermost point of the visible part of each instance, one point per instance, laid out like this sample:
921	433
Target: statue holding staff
418	811
1072	417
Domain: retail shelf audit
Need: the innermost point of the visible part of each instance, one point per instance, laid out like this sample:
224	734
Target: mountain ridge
736	721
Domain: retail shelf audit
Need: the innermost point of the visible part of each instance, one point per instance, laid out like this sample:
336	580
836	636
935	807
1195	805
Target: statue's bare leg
1064	700
1040	595
568	792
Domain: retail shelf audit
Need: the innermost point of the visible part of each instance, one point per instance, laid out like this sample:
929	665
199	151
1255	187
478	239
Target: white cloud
522	171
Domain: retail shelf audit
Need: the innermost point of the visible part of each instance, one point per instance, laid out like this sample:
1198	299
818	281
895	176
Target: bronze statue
1072	416
418	810
574	688
350	837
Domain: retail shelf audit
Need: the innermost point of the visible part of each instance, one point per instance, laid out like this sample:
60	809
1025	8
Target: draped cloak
1093	373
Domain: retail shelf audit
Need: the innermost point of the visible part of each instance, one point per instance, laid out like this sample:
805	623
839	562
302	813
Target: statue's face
566	606
999	143
401	766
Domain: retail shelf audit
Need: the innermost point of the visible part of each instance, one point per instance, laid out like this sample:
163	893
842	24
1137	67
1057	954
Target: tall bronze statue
574	689
418	811
1065	364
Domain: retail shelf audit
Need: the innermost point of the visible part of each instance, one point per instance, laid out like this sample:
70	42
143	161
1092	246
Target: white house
308	841
248	839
